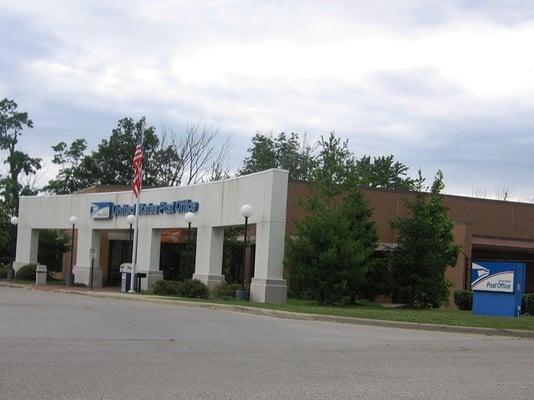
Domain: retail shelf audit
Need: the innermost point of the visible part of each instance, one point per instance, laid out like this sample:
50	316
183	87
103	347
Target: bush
167	288
329	254
195	289
26	273
463	299
527	304
3	272
226	291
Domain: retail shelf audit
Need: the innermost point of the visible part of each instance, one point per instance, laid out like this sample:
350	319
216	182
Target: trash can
40	275
126	276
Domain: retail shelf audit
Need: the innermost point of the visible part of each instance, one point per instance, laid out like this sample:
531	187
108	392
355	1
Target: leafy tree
262	155
335	163
78	170
168	160
332	247
113	157
12	123
382	172
425	248
283	151
7	242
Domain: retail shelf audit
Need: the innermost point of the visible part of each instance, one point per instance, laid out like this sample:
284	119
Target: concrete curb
515	333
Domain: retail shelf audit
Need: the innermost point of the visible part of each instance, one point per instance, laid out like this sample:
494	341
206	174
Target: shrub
425	248
463	299
195	289
167	288
527	304
26	273
226	290
332	247
3	272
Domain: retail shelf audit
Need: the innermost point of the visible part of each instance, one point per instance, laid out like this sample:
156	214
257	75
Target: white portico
219	204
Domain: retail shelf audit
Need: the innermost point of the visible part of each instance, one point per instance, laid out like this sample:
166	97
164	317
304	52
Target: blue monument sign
497	287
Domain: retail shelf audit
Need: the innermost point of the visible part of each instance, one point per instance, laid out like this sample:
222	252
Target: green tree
12	123
78	170
334	165
336	168
382	172
283	151
425	248
168	160
330	252
113	157
7	242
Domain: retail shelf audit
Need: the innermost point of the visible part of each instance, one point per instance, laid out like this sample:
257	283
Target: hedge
226	291
463	299
190	288
527	304
195	289
167	288
26	272
3	272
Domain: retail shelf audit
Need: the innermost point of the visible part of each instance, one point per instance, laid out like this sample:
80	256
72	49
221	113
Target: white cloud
395	78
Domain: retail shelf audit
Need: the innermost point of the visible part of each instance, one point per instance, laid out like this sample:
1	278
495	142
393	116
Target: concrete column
209	254
27	246
148	254
268	285
87	239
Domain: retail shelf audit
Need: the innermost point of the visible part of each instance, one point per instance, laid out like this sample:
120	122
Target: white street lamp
69	279
130	219
246	212
189	217
11	271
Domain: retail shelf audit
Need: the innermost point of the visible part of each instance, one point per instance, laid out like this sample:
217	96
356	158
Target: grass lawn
375	311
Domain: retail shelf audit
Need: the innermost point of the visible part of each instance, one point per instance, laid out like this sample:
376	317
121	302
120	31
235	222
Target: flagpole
136	229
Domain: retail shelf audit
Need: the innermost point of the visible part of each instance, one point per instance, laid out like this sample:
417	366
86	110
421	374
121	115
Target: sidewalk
116	294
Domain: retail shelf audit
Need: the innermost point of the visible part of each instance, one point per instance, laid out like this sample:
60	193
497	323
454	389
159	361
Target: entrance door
118	254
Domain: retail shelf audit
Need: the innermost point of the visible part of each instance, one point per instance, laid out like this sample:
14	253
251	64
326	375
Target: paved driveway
61	346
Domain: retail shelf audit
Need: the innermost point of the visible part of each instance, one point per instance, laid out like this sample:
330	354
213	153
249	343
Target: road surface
61	346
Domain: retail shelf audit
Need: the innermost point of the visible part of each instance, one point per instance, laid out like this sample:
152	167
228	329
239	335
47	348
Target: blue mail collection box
497	287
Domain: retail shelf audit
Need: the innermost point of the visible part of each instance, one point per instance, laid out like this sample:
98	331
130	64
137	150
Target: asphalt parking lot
63	346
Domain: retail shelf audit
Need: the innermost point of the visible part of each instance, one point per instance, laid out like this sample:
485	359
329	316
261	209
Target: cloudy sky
439	84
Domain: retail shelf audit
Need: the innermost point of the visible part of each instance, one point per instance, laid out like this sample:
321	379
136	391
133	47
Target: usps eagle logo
479	273
101	210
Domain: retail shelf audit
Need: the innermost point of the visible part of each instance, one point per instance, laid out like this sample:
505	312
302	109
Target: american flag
137	167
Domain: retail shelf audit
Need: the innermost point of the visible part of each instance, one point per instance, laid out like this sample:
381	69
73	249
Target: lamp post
189	218
69	279
246	212
131	220
11	271
92	256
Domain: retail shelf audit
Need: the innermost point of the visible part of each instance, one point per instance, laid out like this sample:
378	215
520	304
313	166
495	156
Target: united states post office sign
487	279
108	210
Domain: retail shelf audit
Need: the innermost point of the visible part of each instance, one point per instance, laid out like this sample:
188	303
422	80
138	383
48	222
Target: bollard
40	275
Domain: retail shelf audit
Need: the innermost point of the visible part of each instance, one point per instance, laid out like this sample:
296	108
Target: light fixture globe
246	210
14	220
73	220
130	219
189	217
